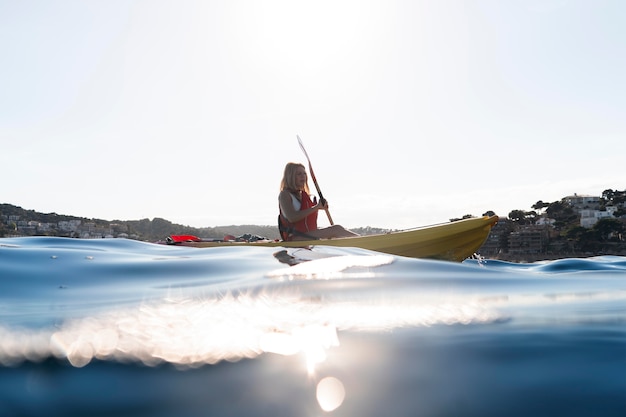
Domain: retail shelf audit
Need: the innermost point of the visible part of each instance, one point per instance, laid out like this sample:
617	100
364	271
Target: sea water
125	328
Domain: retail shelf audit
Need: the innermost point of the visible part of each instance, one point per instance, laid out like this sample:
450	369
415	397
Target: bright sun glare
301	40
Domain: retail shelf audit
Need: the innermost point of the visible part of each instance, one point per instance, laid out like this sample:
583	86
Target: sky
412	112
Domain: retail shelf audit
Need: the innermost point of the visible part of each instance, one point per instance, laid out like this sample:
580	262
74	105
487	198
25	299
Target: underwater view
126	328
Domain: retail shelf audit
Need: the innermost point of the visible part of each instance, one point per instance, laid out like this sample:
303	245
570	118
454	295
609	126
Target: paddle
330	219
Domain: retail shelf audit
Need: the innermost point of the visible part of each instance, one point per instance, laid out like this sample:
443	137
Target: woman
298	213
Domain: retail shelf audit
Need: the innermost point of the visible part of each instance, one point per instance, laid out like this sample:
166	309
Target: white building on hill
590	217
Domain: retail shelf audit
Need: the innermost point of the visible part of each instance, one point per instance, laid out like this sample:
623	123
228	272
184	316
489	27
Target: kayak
454	241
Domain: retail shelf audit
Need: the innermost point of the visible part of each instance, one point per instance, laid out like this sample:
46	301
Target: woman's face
300	177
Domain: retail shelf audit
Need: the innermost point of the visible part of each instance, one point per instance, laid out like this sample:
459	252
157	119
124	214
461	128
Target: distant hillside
158	228
16	221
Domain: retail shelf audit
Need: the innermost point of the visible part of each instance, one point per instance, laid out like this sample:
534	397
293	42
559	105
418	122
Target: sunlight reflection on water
330	393
192	333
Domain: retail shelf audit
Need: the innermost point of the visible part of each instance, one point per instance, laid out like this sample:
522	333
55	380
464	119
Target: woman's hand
322	205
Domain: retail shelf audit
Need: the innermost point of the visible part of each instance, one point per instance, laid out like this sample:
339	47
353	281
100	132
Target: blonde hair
289	178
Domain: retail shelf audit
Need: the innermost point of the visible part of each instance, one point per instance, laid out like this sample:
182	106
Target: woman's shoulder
291	195
285	194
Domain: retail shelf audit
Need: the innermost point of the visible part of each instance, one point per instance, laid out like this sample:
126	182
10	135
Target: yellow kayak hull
454	241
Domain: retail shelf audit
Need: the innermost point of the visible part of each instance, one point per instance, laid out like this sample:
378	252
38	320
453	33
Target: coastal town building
70	228
582	202
590	217
590	209
529	240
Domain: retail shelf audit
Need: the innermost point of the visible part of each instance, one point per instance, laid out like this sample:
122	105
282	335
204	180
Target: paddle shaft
317	187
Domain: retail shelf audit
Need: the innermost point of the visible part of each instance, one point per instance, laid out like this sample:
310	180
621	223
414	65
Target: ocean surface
117	327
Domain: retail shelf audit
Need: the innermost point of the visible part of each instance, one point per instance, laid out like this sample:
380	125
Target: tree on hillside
609	229
523	217
540	205
465	216
563	214
614	197
582	239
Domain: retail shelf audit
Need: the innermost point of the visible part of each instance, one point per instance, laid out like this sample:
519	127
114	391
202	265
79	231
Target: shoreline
529	258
